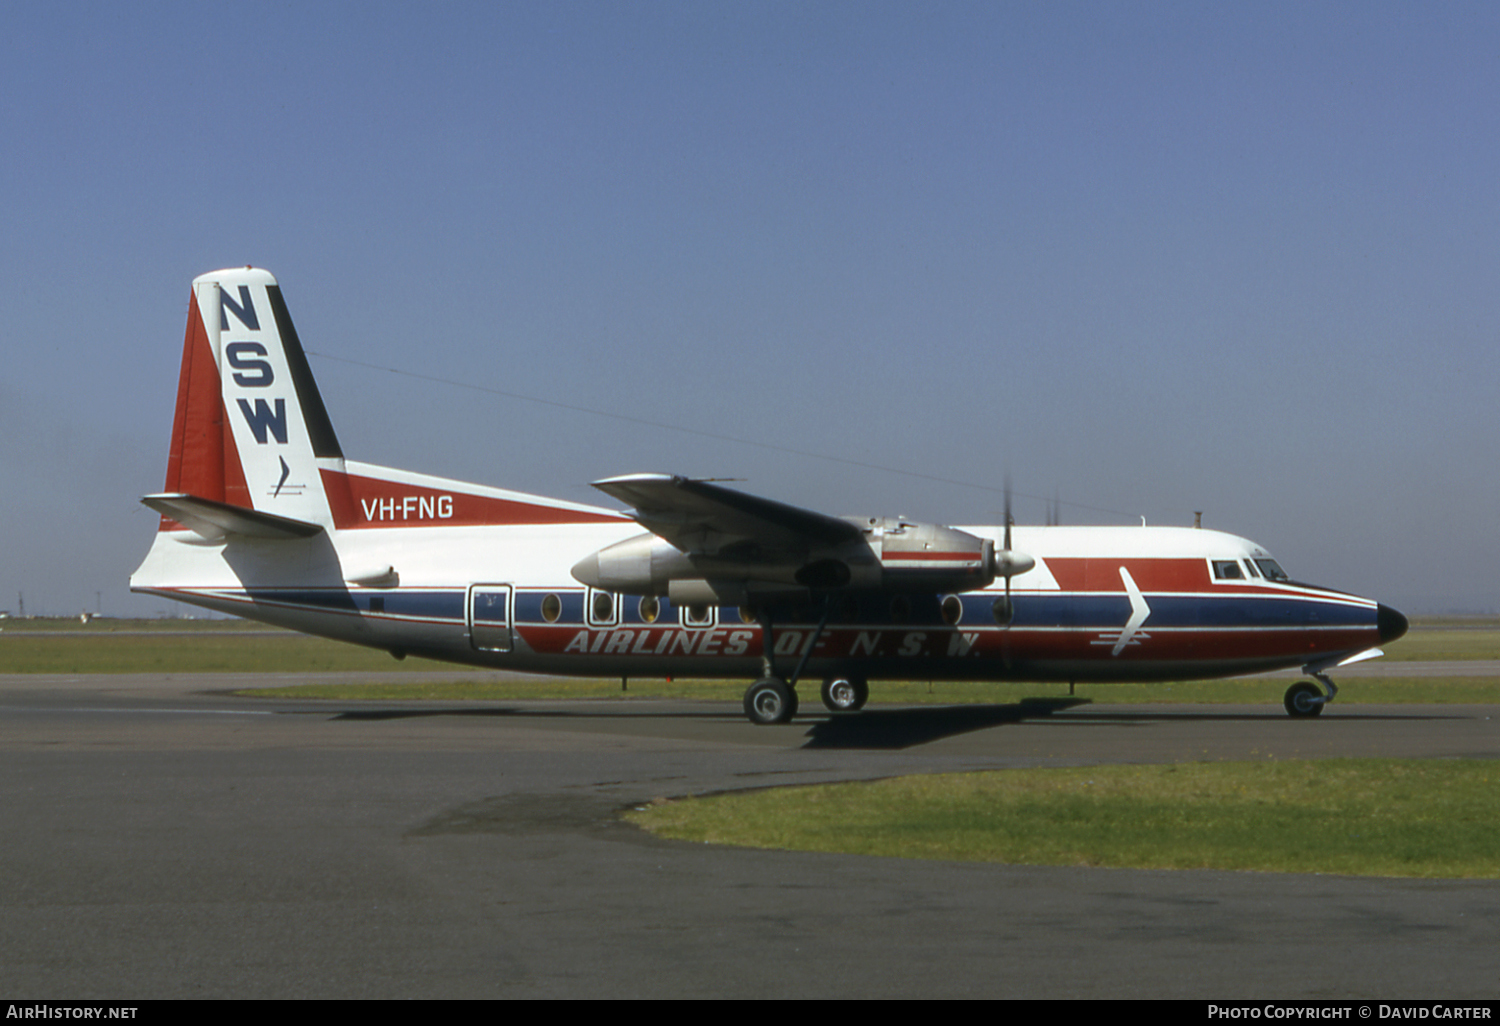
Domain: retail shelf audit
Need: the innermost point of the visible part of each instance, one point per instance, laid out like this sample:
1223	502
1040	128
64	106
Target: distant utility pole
21	604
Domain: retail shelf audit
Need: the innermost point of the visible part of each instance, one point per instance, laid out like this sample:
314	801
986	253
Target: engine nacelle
649	565
931	557
643	565
891	555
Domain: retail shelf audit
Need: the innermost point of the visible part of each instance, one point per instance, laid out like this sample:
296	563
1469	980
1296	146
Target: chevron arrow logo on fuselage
1138	612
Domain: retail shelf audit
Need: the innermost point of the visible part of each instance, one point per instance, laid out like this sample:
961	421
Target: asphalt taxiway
163	839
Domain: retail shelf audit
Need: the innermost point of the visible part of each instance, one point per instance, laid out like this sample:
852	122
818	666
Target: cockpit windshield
1271	570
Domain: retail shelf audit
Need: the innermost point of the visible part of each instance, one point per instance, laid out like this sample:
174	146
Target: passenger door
489	617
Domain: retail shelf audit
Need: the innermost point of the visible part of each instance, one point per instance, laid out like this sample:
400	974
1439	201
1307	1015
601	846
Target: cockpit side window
1271	570
1228	570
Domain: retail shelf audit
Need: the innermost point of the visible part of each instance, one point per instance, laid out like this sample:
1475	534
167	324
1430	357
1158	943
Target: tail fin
251	430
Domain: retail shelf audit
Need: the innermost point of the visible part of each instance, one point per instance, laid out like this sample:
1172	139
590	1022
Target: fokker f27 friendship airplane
263	517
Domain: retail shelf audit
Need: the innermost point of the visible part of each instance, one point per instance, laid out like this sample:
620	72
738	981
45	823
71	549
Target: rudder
250	429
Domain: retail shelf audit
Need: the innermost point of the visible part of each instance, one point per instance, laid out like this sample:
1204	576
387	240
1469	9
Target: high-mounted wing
674	507
708	542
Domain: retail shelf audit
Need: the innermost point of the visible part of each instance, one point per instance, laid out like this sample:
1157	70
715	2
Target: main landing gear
845	694
773	700
1304	698
770	700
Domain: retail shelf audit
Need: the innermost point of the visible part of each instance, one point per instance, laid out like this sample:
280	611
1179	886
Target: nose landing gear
1304	699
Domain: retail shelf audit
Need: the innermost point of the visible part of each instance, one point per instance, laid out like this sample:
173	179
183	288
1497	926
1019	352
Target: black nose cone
1390	623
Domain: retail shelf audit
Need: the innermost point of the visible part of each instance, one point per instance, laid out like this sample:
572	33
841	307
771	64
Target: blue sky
1150	258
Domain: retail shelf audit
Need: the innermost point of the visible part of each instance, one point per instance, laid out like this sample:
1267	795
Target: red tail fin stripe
203	459
195	463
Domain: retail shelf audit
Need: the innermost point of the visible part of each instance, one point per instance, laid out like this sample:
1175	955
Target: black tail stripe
319	428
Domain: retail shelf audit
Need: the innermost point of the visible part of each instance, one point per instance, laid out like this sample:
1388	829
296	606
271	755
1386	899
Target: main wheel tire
1304	698
770	701
845	694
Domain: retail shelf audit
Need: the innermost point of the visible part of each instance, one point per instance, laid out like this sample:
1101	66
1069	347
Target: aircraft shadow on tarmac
870	729
887	729
905	728
920	725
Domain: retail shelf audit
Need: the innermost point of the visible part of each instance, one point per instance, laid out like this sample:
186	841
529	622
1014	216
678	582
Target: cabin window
1003	610
649	608
953	610
1271	570
551	608
699	614
1228	570
603	608
747	614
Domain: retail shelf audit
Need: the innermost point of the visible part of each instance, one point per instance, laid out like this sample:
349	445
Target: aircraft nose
1390	623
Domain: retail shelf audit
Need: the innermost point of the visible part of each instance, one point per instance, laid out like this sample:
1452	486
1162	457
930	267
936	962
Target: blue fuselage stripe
1076	610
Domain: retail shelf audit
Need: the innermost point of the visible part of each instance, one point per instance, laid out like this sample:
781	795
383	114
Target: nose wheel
1304	699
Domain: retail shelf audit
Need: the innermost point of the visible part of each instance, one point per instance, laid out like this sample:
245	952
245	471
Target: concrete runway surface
163	840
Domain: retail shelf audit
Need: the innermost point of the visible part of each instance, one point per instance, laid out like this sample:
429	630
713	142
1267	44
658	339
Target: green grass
1366	817
222	648
1456	621
1445	643
546	689
109	625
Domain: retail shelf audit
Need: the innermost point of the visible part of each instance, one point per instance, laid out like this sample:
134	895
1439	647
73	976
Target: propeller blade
1007	514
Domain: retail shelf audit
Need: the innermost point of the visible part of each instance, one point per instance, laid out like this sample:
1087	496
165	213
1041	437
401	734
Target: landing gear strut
771	699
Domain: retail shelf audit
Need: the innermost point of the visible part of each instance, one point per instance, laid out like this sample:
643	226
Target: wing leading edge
672	507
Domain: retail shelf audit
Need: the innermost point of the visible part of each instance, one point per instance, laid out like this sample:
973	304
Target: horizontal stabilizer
216	520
